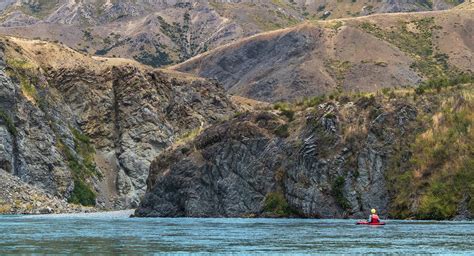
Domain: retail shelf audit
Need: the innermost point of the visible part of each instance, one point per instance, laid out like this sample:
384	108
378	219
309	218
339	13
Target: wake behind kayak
370	223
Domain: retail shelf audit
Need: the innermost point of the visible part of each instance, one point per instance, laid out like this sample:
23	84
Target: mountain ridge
161	33
363	53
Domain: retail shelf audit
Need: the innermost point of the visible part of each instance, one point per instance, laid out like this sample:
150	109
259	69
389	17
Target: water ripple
115	233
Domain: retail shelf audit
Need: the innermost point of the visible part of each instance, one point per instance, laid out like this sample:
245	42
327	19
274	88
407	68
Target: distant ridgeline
163	32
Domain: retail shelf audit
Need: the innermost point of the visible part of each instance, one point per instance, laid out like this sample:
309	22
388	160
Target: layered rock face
335	160
132	116
331	163
69	121
28	148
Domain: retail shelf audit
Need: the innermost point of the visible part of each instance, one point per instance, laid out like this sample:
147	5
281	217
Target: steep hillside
81	127
165	32
408	153
354	54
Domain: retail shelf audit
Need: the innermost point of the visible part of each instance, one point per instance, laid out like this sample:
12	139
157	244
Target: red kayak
370	223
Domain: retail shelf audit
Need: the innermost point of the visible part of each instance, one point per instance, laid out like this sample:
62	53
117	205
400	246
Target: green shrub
338	69
239	113
28	88
419	90
26	75
314	101
282	131
82	194
288	113
8	123
82	166
281	105
285	110
444	82
338	193
86	151
275	202
330	115
386	91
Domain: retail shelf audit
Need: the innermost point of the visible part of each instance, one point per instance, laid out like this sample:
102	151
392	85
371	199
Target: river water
115	233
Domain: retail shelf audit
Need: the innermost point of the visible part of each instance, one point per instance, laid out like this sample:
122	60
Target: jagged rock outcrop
28	142
140	114
232	168
76	126
334	160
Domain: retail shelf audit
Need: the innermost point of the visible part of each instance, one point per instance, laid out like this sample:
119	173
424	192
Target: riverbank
99	214
18	197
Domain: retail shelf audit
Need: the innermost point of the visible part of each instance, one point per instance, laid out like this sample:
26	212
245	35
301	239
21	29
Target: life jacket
374	218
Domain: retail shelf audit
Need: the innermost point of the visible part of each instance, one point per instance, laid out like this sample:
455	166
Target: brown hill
353	54
164	32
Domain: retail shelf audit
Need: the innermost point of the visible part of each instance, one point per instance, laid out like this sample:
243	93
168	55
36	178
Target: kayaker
374	218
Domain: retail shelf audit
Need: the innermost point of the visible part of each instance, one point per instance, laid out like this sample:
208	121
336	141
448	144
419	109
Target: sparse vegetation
82	166
39	8
28	89
275	19
440	173
313	101
82	194
336	25
189	136
431	170
285	110
338	193
8	122
24	72
158	59
444	82
416	39
178	33
282	131
276	203
86	151
338	69
87	35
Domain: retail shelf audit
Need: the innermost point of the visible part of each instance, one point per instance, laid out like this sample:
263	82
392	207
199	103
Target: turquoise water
115	233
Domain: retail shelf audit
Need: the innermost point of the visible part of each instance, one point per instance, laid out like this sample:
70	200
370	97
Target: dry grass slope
352	54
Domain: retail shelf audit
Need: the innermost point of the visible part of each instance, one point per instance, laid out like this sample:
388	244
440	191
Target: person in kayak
374	218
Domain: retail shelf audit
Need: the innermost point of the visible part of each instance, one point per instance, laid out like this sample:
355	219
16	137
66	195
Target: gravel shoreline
18	197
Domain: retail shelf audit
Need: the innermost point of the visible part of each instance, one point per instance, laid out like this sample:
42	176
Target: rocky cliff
83	128
326	157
